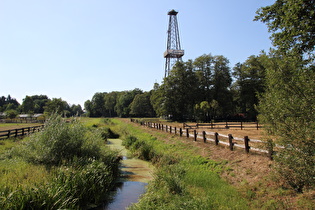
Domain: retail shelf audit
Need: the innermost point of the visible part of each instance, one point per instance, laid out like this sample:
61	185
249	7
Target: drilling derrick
173	52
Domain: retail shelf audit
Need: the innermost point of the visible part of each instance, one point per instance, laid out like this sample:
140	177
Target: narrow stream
135	176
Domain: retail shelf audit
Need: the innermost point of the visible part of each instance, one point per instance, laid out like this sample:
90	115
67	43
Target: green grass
183	180
66	166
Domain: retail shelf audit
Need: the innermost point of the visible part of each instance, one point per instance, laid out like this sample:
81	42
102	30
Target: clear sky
71	49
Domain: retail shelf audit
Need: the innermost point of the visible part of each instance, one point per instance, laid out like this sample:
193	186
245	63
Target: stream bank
136	174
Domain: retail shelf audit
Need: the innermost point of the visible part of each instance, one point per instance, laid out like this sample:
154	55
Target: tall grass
66	166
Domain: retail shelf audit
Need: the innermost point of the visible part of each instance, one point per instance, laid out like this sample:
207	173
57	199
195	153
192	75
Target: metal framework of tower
173	51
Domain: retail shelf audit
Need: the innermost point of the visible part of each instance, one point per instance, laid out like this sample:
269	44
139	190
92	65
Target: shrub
129	140
60	142
139	148
287	110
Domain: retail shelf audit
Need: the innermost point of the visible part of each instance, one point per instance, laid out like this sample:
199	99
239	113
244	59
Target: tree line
202	89
38	104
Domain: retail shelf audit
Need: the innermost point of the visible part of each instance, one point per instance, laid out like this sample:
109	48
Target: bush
61	142
139	148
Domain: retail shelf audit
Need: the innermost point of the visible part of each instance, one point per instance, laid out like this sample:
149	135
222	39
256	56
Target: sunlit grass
65	166
184	179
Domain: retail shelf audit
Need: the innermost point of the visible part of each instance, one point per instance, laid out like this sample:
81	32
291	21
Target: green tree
76	110
110	102
180	91
158	100
56	105
11	113
8	103
250	83
222	81
287	109
39	103
204	66
28	105
292	25
141	106
98	105
202	111
124	100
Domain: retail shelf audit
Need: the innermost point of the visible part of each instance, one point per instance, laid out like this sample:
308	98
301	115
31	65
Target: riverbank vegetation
67	165
187	176
183	179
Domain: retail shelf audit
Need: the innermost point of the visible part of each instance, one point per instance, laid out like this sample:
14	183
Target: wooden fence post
187	133
175	130
241	125
9	131
180	132
211	124
204	136
246	141
22	131
231	142
16	132
216	136
257	124
170	129
195	135
270	149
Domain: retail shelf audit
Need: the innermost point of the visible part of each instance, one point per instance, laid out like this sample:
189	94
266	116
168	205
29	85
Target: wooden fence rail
19	131
223	125
227	140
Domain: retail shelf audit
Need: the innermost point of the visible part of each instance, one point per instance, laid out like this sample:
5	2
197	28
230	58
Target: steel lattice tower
173	52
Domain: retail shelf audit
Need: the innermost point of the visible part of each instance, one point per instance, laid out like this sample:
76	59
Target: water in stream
137	172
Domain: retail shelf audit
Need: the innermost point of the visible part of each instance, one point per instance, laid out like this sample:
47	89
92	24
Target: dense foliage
287	106
288	110
292	25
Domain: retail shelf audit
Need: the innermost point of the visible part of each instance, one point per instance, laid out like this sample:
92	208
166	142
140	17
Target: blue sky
71	49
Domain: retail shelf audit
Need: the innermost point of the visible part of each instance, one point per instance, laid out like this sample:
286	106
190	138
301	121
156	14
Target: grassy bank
183	179
187	176
66	166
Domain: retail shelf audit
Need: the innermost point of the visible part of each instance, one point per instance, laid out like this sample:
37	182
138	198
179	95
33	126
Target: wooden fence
20	132
22	120
216	138
223	125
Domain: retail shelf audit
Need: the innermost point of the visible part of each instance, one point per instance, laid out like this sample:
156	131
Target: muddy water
135	176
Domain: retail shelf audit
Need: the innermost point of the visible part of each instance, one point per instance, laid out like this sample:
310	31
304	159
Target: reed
66	166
